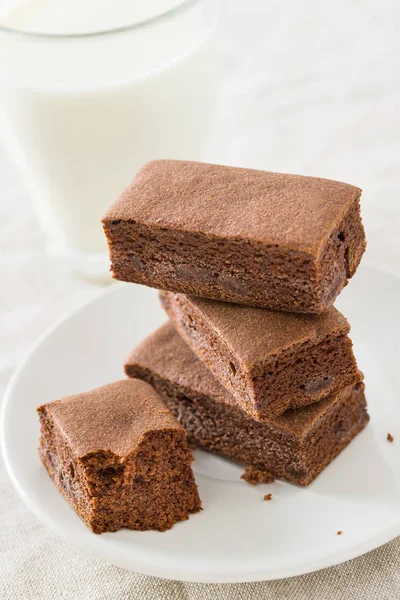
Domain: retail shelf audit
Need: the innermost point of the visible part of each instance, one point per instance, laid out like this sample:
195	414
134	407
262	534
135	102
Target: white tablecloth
310	87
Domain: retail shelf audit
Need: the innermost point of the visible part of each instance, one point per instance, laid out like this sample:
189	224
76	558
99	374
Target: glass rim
158	18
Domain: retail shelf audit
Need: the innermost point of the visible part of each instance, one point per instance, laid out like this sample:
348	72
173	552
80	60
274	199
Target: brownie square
273	240
270	361
119	457
296	446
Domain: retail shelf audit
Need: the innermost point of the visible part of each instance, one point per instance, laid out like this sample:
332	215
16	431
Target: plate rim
200	576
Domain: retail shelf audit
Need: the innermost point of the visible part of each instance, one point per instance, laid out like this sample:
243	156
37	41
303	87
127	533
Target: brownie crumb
390	438
339	532
268	497
254	476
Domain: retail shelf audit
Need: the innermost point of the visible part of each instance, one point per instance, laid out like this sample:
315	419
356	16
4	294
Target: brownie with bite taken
119	457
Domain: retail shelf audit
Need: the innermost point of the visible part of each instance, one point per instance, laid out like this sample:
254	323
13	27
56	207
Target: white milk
82	114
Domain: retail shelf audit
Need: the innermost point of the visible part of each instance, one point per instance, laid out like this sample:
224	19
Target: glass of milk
92	89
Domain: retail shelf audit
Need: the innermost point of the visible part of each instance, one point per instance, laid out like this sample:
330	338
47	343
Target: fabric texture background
308	88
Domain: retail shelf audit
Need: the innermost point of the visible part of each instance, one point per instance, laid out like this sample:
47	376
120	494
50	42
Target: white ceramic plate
238	536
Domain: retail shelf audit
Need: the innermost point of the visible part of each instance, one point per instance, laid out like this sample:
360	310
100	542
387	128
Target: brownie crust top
290	211
169	357
253	333
112	417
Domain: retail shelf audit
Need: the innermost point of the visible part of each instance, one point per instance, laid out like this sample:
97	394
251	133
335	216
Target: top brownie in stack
271	240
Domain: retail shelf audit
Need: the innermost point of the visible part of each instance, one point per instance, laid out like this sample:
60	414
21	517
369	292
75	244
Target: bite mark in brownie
119	457
295	446
273	240
270	361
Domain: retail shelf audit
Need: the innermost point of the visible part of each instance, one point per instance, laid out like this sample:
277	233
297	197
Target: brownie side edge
231	270
341	255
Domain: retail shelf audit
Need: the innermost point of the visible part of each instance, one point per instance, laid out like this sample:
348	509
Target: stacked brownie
255	363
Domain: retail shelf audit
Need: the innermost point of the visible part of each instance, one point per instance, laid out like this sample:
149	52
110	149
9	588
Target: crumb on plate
253	475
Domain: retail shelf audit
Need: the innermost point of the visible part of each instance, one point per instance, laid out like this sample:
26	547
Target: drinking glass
83	106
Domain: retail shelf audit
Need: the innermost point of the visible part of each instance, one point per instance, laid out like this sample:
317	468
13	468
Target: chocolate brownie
119	457
273	240
269	360
296	446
